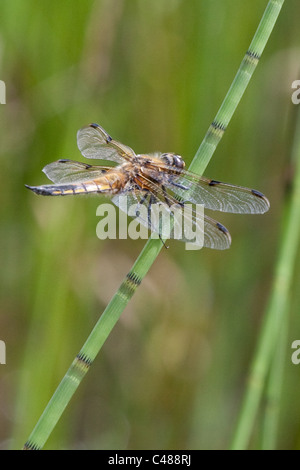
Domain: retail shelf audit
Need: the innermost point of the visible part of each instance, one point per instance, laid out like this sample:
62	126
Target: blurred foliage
153	74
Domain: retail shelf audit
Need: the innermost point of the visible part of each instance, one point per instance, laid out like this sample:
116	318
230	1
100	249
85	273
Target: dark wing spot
95	126
257	193
65	160
222	228
214	182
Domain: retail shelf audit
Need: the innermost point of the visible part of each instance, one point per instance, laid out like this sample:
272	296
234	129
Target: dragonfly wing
216	236
94	142
68	171
213	194
152	214
219	196
163	215
136	204
211	234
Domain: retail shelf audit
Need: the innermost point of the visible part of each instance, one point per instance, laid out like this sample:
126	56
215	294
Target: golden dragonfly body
146	180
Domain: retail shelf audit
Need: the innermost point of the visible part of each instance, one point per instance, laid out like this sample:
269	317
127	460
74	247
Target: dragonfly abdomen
73	189
62	190
112	182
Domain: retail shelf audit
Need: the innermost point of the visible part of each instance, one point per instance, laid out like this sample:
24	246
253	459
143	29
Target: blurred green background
173	373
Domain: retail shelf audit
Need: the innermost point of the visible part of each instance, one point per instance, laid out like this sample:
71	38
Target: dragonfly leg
141	202
151	200
178	198
178	185
166	195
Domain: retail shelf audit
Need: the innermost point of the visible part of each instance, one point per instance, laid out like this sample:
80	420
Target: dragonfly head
173	160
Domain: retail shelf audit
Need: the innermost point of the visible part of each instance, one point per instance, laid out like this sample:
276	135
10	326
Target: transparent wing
216	236
163	215
223	197
147	209
94	142
213	194
68	171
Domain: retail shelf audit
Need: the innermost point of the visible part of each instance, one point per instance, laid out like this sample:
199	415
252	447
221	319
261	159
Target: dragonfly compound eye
178	162
173	160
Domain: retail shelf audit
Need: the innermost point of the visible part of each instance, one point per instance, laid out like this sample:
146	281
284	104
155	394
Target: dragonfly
148	179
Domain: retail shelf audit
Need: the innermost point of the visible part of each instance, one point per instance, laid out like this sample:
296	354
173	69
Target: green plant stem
113	311
275	313
237	88
274	388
